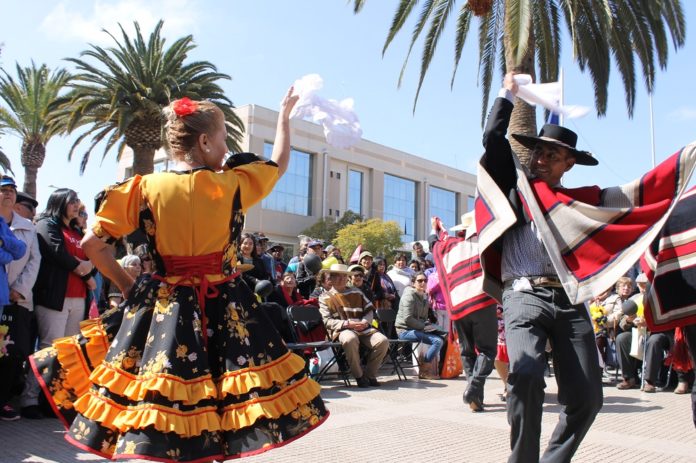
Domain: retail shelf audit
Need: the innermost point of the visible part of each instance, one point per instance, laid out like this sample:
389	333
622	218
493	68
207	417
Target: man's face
9	196
418	249
339	281
550	162
25	210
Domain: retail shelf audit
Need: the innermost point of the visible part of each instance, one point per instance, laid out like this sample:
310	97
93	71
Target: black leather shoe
363	382
32	412
474	401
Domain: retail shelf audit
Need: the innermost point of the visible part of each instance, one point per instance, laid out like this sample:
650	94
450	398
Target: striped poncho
592	236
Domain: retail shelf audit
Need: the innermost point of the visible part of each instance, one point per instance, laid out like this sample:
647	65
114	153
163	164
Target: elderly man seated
348	315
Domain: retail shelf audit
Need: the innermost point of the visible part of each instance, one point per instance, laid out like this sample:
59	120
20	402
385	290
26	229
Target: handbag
638	343
452	366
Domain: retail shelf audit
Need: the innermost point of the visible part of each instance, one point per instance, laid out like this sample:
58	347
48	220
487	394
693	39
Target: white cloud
62	23
684	113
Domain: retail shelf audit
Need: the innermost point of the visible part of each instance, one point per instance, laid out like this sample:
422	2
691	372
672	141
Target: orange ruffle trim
261	376
245	414
192	423
190	392
72	358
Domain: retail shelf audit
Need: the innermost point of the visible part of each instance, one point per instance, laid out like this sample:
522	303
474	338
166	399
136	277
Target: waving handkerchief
547	95
341	124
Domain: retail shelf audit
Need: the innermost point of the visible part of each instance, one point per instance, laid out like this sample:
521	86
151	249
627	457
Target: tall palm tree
517	33
121	96
29	113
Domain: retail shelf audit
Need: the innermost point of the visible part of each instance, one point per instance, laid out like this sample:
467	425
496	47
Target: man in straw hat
544	251
348	315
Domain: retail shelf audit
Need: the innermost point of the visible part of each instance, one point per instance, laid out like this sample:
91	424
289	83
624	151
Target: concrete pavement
417	421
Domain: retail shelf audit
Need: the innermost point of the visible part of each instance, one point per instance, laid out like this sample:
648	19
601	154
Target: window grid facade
292	193
443	204
400	205
355	191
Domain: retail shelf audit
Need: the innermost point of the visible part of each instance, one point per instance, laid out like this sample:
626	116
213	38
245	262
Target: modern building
322	181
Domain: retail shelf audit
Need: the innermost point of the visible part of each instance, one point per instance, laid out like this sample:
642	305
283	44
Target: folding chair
310	315
386	319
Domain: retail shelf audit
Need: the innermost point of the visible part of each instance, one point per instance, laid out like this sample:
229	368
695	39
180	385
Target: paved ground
417	421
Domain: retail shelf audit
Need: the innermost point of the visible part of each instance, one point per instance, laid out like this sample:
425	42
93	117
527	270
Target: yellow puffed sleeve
256	177
119	209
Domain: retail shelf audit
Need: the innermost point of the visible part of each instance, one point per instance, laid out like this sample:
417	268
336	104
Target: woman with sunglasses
412	324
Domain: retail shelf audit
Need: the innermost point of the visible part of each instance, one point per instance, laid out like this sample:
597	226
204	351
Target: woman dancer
196	372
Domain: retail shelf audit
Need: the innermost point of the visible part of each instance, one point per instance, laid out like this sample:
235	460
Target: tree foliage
119	92
517	33
375	235
326	229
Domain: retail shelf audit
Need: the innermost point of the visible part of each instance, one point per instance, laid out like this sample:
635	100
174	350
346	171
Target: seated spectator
412	324
143	252
357	280
348	316
598	314
247	255
400	273
387	297
612	305
323	284
132	265
283	296
437	299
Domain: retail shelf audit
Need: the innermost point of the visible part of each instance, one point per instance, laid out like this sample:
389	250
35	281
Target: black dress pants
532	317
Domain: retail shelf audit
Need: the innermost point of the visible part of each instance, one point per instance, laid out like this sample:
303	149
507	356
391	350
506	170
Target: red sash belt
188	268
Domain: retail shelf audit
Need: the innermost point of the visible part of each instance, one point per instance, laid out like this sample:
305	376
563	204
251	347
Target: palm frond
463	23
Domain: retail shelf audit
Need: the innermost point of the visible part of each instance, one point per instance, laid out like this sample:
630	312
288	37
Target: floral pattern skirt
157	379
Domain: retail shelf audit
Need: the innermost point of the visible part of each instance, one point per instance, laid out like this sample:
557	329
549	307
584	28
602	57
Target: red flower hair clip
184	106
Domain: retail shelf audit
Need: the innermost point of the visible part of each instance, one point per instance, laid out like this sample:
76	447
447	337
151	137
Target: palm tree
29	114
121	97
516	33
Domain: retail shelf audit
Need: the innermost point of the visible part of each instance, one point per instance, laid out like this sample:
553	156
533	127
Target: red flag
356	255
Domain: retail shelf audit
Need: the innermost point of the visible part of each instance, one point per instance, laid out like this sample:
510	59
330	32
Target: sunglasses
421	280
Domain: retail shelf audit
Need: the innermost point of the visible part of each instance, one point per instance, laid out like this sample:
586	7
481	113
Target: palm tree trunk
143	160
523	119
30	173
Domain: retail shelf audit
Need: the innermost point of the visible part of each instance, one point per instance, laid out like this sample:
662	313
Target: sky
266	45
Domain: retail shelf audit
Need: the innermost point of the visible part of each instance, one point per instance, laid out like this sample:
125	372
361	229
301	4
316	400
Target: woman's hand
288	103
83	268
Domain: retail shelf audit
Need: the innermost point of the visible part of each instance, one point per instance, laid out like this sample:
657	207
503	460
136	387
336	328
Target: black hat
558	136
25	198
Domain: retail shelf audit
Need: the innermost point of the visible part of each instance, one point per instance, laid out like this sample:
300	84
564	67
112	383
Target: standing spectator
295	261
247	255
65	274
437	299
279	267
419	253
16	314
400	273
26	206
306	276
333	256
261	251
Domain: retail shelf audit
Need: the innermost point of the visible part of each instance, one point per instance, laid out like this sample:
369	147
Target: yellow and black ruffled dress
188	368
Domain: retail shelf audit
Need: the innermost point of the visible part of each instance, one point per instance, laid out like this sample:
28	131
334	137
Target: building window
161	166
470	201
443	204
355	186
292	193
400	205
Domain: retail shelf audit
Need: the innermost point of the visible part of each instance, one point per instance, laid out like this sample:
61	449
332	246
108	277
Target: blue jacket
11	248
